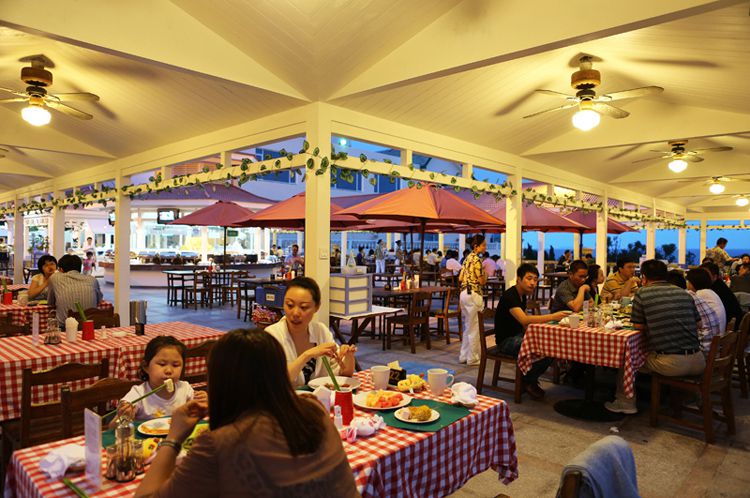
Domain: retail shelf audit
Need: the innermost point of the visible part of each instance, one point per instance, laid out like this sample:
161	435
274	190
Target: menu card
92	424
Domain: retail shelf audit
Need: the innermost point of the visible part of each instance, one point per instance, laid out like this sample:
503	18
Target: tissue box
270	295
350	294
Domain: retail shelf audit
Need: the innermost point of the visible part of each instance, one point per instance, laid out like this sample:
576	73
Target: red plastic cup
88	330
8	298
344	400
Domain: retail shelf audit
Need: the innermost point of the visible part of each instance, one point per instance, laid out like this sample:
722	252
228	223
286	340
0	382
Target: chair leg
496	372
655	401
447	329
742	371
517	385
412	339
480	374
708	417
555	372
728	407
426	332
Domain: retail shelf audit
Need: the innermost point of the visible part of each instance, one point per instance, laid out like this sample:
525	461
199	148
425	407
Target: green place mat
448	415
108	436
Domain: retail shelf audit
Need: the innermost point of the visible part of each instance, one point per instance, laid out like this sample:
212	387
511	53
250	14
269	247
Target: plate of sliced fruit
381	400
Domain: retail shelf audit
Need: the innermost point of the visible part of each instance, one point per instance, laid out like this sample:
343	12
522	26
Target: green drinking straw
330	373
81	312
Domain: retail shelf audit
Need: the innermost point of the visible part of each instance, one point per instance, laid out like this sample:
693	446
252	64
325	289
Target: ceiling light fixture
678	165
586	119
742	201
36	115
716	188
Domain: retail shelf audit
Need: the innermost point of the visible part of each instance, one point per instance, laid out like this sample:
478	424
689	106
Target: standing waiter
472	278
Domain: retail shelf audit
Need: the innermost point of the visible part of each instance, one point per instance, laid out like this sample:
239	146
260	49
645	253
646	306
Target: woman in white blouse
306	341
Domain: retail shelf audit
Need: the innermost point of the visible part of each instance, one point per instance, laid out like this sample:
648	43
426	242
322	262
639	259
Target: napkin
57	461
367	426
464	394
613	325
324	396
565	322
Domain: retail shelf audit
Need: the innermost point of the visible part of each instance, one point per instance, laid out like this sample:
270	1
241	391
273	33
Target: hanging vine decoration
306	162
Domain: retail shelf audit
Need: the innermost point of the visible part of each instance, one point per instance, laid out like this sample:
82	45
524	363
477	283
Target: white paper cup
438	378
574	321
380	374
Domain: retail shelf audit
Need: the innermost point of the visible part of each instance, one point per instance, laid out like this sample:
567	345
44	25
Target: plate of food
417	414
344	382
381	400
156	427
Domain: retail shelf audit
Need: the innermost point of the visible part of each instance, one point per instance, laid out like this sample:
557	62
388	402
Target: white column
274	237
19	243
461	246
344	244
650	240
57	229
682	246
318	208
204	245
441	241
702	246
267	240
467	170
601	237
388	241
140	233
226	158
576	246
301	236
540	253
122	252
502	245
513	239
406	157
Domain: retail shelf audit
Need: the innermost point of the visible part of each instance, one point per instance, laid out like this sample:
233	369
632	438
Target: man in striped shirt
670	321
68	287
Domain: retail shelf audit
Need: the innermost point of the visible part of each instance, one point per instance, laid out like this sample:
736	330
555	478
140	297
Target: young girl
163	359
89	263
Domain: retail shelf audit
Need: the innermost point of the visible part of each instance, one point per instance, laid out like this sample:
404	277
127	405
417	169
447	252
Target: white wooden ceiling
166	71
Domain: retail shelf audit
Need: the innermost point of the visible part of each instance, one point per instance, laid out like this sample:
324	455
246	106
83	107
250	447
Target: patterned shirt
471	272
719	255
67	289
614	285
669	316
710	322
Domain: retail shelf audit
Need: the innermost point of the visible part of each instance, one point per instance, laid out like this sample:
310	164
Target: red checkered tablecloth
393	462
17	287
124	353
623	348
23	314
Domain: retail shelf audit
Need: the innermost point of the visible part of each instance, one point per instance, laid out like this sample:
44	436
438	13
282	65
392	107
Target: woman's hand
184	419
347	351
560	315
201	396
328	349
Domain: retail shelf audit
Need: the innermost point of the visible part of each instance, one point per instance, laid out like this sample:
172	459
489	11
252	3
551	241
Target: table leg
587	408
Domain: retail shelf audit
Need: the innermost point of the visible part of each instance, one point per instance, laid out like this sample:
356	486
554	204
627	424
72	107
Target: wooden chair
417	317
98	396
102	318
445	314
40	422
716	379
201	291
7	329
742	375
533	307
493	354
202	350
245	299
231	290
571	485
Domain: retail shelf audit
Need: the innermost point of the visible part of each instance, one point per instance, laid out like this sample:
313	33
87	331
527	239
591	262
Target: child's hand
125	409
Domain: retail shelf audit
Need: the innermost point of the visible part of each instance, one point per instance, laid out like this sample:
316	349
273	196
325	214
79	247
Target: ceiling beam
479	33
10	167
153	31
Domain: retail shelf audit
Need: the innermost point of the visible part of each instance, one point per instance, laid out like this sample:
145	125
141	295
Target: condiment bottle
124	435
71	329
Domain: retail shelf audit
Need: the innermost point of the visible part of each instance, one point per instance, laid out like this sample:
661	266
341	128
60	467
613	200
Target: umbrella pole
224	260
421	248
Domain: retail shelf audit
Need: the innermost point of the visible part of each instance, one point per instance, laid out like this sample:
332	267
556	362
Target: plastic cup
345	401
574	320
7	298
380	375
87	329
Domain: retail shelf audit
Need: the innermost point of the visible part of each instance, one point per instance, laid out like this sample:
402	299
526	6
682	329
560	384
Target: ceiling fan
716	183
38	79
680	156
591	105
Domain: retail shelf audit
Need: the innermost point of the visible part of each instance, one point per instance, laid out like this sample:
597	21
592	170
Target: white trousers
471	305
379	266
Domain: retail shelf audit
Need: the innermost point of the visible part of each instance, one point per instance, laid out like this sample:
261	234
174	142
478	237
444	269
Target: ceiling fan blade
712	149
566	106
693	158
13	99
557	94
75	97
608	110
649	159
633	93
70	111
14	92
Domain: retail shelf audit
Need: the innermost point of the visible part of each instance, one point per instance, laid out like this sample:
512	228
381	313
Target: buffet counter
150	275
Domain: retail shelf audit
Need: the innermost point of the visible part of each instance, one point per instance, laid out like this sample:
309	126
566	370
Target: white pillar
441	241
576	246
274	237
140	233
19	243
388	241
204	245
601	237
650	240
513	238
682	246
267	240
318	208
122	252
540	253
702	245
57	229
461	245
502	245
301	237
467	170
344	244
226	158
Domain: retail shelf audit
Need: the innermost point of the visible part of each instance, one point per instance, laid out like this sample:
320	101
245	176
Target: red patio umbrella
539	219
290	214
221	214
589	220
423	206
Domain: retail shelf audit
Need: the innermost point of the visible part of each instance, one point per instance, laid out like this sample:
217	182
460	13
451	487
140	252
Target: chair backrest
744	334
730	324
451	299
96	396
101	317
720	362
571	485
419	311
202	350
236	276
7	329
484	331
67	372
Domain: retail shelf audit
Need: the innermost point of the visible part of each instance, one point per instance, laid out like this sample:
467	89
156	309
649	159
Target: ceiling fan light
36	115
716	188
742	201
586	119
678	165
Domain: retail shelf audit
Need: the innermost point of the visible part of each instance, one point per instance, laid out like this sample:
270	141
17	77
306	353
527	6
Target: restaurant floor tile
671	461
